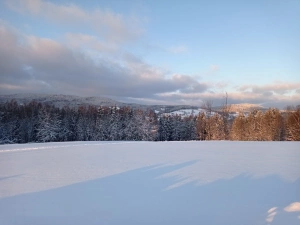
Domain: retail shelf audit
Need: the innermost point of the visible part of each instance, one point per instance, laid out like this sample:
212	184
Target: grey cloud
195	88
47	66
32	64
267	93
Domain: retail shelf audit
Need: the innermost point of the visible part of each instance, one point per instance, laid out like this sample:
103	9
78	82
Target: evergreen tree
200	126
102	124
9	123
114	122
49	126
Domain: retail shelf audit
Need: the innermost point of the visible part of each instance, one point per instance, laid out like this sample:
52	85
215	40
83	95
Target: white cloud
293	207
271	214
111	26
279	87
272	210
90	65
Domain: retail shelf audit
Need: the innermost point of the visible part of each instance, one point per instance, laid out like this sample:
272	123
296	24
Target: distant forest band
36	122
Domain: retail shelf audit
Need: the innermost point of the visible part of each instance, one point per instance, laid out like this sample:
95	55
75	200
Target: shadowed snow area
116	183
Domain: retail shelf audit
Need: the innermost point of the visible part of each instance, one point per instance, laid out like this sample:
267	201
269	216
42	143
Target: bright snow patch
160	183
186	112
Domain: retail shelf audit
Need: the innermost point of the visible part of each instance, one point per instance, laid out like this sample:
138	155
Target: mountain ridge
73	101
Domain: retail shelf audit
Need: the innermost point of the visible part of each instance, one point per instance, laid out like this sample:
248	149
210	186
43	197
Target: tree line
36	122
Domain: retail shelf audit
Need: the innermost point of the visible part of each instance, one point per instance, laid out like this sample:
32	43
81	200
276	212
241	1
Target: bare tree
225	116
201	126
207	105
208	125
293	125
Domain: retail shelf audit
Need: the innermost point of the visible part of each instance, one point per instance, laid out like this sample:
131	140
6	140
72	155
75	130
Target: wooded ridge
37	122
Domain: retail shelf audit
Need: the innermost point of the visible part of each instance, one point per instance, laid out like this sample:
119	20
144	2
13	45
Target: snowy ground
186	112
151	183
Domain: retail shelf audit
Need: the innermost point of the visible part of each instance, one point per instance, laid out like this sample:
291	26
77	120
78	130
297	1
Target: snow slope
186	112
114	183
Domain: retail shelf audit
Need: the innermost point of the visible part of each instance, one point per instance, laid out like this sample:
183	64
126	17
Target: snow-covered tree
48	126
114	124
86	125
102	124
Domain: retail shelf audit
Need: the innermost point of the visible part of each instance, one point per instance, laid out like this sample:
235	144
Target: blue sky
153	52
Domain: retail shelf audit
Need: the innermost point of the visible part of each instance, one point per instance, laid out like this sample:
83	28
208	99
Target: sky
153	52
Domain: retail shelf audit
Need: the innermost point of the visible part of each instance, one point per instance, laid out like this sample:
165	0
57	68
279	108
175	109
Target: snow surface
116	183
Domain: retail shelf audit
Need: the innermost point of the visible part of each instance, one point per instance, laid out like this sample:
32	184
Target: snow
186	112
159	183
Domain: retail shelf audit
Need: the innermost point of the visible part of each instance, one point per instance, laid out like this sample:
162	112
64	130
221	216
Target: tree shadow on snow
8	177
140	197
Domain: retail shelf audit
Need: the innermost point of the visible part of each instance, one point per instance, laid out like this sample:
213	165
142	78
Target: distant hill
59	100
76	101
244	107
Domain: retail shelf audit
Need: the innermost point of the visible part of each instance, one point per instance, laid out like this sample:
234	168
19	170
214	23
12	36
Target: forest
36	122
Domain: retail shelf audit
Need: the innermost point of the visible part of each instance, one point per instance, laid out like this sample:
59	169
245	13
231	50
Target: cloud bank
95	61
30	63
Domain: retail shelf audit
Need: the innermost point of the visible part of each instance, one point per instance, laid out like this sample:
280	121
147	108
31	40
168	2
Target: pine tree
10	123
200	126
164	129
190	131
48	126
102	123
151	121
177	128
142	125
114	122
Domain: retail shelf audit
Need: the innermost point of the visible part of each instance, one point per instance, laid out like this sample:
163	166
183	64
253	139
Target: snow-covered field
155	183
186	112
